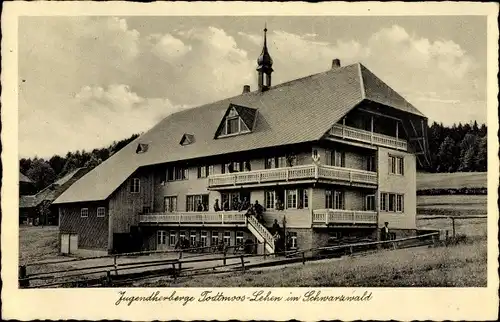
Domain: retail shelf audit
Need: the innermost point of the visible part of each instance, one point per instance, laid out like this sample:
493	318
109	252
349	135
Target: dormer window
187	139
141	148
238	120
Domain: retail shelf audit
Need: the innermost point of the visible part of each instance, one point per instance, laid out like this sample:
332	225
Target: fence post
303	258
116	266
22	275
109	281
242	263
224	259
180	254
174	271
453	225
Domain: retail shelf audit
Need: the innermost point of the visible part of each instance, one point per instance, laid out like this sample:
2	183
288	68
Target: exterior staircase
261	233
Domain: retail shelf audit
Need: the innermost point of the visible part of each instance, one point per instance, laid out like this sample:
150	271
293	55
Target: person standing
216	205
384	233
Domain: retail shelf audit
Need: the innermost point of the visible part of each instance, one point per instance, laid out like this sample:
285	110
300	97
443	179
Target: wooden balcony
351	133
325	217
293	174
228	218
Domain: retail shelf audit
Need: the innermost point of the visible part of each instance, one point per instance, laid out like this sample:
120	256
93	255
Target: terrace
229	218
311	172
325	217
354	134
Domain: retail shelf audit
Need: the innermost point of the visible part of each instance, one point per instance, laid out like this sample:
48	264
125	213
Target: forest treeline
453	148
44	172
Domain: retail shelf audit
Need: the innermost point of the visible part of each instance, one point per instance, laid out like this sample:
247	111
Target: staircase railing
264	233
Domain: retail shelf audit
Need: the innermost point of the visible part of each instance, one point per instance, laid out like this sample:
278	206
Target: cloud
91	80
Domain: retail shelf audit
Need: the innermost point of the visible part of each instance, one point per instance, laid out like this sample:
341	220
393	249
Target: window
233	124
293	240
146	210
172	241
141	148
289	160
187	139
205	171
269	197
396	165
203	238
197	203
192	239
338	159
391	202
84	212
291	199
101	211
303	199
170	204
177	173
227	238
239	238
370	163
215	238
399	203
182	235
135	185
370	203
161	237
334	199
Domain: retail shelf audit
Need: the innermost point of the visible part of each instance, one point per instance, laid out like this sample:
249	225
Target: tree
24	165
41	173
481	159
92	162
57	163
468	149
71	164
445	155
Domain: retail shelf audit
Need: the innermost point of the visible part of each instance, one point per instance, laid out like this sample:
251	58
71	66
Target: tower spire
265	65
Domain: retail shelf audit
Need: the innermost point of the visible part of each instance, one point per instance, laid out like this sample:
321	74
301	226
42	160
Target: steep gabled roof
298	111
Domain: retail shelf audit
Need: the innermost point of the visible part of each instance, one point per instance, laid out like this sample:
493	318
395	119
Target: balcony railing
335	216
200	218
368	137
291	174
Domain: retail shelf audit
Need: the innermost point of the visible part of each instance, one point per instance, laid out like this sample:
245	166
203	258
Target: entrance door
161	240
73	243
64	243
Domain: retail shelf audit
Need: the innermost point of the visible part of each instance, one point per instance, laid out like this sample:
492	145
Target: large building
331	155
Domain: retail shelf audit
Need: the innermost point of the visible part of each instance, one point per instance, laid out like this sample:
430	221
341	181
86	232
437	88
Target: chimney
335	63
246	89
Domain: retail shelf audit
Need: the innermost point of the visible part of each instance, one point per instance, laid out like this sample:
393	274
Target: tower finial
265	65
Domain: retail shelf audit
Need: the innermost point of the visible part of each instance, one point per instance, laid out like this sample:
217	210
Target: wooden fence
114	273
452	218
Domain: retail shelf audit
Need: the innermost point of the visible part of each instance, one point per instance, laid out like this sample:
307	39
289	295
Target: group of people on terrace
255	209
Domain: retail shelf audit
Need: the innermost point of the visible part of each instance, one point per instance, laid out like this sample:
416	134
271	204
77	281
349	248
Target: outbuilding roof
301	110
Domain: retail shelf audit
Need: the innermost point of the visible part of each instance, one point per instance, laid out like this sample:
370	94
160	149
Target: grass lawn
452	205
37	243
455	266
451	180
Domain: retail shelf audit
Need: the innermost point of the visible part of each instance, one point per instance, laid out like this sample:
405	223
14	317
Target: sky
87	81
